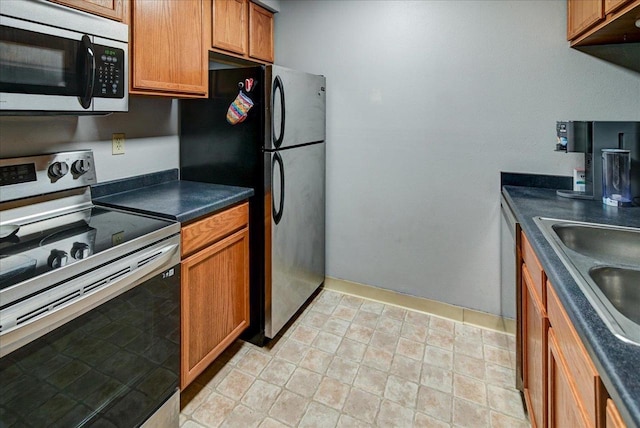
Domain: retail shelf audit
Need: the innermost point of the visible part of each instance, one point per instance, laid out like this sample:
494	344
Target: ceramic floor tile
304	382
344	312
332	392
304	334
261	395
415	332
214	410
418	318
359	333
316	360
392	414
406	367
289	408
434	403
469	389
235	384
319	416
342	369
349	362
351	350
394	312
410	349
469	415
366	319
327	342
278	371
370	379
389	325
362	405
401	391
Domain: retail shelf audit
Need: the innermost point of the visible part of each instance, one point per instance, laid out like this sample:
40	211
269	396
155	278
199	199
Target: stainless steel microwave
59	60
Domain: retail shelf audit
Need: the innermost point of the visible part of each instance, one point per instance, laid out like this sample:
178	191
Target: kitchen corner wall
150	128
427	102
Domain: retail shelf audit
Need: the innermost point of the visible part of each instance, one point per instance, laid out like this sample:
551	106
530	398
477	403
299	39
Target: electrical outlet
117	147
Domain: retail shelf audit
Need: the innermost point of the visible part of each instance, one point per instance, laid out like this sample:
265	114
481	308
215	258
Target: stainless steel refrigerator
264	127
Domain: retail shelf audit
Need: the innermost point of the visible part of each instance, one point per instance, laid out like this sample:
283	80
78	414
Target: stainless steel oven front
89	302
55	59
115	365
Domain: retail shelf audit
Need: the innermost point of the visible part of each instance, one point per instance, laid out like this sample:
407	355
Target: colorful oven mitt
239	108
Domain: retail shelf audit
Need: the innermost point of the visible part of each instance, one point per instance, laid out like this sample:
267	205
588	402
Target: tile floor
351	362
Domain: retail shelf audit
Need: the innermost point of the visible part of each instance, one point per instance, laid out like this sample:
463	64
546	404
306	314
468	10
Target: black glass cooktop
57	242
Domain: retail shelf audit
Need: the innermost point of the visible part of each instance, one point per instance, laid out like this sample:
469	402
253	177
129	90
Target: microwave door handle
87	62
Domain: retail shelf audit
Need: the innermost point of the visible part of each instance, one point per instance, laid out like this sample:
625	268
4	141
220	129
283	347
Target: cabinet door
230	24
168	50
215	302
260	33
613	420
582	15
565	409
113	9
613	5
535	325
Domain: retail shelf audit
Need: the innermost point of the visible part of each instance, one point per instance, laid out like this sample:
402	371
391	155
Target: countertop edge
590	334
181	207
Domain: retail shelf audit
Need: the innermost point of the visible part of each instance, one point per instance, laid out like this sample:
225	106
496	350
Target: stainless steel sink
622	288
606	244
605	262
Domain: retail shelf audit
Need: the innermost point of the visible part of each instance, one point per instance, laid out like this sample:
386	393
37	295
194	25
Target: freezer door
296	112
295	231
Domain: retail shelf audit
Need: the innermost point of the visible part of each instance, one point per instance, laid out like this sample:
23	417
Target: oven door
114	365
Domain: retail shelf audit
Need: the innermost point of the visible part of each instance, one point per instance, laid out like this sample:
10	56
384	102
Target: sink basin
605	262
622	288
605	244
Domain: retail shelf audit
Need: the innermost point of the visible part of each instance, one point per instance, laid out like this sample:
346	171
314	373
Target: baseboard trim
432	307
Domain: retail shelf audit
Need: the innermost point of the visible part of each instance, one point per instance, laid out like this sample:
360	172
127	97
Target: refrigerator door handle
278	86
277	215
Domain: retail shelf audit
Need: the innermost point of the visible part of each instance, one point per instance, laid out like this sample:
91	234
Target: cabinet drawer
204	232
536	272
581	369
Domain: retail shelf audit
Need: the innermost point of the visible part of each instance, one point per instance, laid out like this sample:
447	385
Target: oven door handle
53	308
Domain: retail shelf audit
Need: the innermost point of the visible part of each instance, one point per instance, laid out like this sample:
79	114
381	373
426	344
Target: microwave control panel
109	74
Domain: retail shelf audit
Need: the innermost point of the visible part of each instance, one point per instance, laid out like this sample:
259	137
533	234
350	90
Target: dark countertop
173	199
617	362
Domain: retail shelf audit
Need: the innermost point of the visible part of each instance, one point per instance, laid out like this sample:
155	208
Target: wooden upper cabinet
242	29
613	5
169	54
260	33
582	15
113	9
602	22
230	25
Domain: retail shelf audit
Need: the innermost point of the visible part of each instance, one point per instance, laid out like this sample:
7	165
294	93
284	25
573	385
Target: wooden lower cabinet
215	301
565	409
535	327
562	387
613	419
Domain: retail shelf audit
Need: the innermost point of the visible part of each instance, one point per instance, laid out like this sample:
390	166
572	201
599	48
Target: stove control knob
58	170
57	259
80	251
80	166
